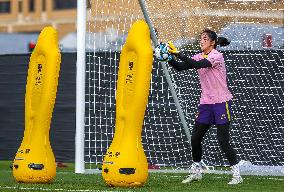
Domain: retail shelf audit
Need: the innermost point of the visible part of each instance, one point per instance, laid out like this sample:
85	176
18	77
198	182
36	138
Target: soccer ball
162	52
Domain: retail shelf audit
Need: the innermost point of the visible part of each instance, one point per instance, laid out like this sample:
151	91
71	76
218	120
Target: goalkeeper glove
172	48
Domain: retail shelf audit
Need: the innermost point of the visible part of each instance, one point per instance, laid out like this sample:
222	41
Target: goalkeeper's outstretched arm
188	63
185	62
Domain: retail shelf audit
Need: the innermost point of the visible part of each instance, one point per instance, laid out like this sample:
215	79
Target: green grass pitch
67	180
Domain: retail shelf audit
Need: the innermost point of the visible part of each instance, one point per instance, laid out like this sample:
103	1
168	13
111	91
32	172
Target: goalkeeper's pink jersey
213	79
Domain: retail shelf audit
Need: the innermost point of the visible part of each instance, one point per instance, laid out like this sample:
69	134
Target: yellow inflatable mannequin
35	161
125	163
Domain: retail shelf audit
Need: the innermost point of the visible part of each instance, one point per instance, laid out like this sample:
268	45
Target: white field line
53	189
269	178
259	177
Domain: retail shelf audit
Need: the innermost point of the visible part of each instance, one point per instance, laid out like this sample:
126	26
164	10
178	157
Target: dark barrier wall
13	74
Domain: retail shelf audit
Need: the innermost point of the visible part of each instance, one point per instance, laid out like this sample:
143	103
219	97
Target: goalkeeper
215	101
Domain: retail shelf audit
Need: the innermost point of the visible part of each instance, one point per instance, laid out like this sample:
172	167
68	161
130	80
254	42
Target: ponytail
223	41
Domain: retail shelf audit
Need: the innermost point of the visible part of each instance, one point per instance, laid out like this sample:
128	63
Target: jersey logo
197	115
223	116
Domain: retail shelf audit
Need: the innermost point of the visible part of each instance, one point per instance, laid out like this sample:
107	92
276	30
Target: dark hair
222	41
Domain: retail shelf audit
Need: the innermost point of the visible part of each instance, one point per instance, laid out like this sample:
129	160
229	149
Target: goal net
255	69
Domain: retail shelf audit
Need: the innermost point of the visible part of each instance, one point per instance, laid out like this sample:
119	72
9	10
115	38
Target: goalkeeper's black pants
223	137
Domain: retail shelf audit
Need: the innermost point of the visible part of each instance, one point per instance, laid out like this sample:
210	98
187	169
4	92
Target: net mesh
255	70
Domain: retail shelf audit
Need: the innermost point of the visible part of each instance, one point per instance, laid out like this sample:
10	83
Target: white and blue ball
162	52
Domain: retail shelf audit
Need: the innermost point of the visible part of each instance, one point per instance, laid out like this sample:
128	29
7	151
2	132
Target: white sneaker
193	177
196	173
204	167
236	175
236	180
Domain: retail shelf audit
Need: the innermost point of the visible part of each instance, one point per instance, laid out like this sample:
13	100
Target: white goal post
255	68
80	86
